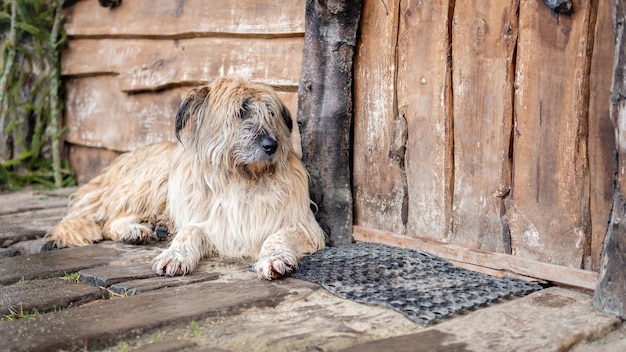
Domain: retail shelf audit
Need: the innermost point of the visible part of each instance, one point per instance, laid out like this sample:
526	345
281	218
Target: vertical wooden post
325	110
610	294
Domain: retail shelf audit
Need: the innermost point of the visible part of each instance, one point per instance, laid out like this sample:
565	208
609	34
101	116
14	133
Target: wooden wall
481	127
484	125
126	69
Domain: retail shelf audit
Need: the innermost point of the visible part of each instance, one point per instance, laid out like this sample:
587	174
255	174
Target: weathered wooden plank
484	35
493	261
424	96
186	18
102	116
146	64
46	295
27	215
108	275
380	130
155	283
29	225
173	345
25	200
83	325
55	263
325	111
601	133
548	208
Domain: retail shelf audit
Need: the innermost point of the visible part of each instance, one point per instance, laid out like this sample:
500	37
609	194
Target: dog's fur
233	186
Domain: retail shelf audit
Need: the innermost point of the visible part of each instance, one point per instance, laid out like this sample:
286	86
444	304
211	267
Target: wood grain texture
601	133
484	35
149	65
158	18
111	119
424	98
88	162
380	131
548	209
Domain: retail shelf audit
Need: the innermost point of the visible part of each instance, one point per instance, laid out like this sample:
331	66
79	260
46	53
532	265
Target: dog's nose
269	145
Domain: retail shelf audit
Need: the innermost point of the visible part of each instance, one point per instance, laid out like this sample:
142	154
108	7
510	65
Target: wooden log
601	133
101	115
88	162
380	131
548	208
152	65
484	36
189	18
424	99
610	295
498	262
325	110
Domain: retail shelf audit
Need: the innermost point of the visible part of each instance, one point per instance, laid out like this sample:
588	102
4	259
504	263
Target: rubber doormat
423	287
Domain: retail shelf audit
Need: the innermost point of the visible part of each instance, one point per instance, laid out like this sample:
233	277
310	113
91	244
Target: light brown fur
233	187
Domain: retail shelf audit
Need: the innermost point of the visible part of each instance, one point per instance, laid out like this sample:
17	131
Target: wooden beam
185	19
493	262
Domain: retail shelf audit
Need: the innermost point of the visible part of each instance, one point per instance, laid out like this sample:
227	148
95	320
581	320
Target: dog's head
237	124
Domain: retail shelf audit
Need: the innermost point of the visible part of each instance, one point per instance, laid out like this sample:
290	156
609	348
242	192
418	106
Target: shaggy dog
233	187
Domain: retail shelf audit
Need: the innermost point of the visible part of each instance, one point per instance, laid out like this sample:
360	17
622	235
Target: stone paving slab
554	319
46	295
102	321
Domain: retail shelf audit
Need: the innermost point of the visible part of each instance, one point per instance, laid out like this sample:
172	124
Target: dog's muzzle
269	145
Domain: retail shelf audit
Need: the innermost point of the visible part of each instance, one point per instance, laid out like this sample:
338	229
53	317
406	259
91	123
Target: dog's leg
72	232
280	253
128	229
182	256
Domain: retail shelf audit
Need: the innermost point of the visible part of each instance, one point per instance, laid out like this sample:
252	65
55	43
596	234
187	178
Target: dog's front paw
136	234
275	265
171	263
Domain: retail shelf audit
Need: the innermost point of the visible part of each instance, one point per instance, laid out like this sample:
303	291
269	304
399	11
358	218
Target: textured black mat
423	287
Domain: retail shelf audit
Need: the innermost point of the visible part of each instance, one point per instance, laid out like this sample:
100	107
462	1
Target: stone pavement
120	305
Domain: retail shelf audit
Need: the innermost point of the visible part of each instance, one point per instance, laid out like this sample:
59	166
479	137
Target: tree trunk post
610	293
325	110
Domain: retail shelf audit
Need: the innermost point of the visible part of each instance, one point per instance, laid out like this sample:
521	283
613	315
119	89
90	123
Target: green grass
195	328
15	314
71	277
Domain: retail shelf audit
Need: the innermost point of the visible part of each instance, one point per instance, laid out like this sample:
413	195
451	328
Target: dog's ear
287	117
195	99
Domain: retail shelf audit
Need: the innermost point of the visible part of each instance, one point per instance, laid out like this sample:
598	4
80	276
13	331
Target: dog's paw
136	234
170	263
275	265
161	231
49	246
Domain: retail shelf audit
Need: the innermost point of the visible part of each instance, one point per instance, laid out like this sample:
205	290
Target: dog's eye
244	112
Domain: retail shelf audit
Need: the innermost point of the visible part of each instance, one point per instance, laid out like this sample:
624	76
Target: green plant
20	314
123	346
195	328
31	99
71	277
